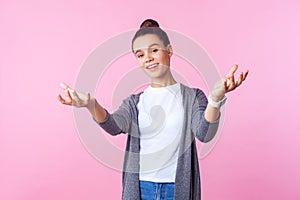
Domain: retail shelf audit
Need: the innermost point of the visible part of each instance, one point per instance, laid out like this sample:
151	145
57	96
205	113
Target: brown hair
150	26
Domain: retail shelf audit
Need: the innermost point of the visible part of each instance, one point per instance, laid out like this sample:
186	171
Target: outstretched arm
221	87
78	99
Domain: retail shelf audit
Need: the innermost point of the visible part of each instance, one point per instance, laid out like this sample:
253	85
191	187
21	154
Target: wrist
91	104
216	102
216	97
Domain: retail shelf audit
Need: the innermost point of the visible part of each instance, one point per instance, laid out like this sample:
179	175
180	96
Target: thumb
64	86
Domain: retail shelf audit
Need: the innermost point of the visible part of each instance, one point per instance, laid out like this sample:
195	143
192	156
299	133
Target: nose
149	57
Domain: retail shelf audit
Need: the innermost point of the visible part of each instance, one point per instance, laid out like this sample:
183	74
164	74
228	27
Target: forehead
145	41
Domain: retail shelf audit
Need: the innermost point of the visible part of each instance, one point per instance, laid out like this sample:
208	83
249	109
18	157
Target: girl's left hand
227	84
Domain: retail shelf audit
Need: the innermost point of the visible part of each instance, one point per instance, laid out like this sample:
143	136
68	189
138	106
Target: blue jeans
156	191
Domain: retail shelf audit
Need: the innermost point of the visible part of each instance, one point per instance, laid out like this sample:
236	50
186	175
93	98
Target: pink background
43	43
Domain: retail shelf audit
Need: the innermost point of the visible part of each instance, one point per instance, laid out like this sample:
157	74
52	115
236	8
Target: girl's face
152	55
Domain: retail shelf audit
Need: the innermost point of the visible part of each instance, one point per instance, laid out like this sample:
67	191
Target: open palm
73	97
227	83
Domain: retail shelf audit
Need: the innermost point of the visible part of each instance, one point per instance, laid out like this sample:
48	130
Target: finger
245	75
239	80
75	95
64	86
232	79
69	99
68	95
60	98
63	101
231	83
231	86
226	84
233	70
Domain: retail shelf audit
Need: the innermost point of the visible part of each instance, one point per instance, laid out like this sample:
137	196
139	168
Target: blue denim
156	191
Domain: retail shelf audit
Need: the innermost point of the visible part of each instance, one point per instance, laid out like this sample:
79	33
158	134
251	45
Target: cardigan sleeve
120	120
203	130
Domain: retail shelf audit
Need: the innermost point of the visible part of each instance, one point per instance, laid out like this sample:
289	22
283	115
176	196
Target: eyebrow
148	47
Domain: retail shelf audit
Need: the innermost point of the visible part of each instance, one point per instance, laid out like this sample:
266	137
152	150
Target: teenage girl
161	122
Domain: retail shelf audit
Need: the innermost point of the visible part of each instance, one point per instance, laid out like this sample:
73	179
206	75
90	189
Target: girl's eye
140	55
154	50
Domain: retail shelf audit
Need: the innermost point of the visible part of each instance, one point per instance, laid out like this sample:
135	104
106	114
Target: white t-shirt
160	121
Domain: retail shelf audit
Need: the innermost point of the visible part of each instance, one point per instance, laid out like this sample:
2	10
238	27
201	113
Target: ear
170	50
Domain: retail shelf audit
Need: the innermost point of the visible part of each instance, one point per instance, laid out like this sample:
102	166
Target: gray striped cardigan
187	181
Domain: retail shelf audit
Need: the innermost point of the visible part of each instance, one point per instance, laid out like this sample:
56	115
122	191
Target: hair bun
149	23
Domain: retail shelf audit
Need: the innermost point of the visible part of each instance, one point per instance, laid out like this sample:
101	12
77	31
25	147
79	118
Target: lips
152	66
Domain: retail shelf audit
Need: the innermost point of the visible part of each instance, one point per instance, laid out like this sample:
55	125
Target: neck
163	82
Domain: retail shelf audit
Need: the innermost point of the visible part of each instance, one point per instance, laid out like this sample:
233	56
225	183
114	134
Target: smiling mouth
152	66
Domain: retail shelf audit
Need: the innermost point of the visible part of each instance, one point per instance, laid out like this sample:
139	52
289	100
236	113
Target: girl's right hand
73	97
